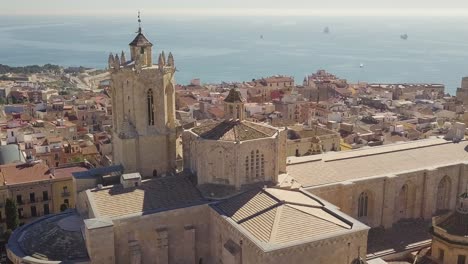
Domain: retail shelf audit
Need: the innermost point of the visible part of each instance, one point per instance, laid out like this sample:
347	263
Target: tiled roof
277	216
24	173
89	150
234	96
63	173
152	195
140	41
233	130
392	159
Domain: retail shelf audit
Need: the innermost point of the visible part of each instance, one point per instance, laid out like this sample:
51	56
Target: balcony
66	194
31	201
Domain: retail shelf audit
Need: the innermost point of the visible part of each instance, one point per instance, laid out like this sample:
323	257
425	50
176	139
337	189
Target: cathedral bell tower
234	105
143	101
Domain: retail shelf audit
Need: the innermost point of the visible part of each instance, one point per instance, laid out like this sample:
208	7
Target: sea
217	49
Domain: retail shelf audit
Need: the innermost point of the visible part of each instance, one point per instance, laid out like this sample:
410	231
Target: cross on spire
139	22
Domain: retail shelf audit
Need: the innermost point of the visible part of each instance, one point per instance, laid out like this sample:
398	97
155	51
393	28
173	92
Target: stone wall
224	162
339	249
389	202
176	236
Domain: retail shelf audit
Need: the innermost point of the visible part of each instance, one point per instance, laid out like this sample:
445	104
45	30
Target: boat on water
404	36
326	30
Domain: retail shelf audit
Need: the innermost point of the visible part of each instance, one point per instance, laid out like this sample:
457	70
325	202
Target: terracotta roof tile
63	173
234	96
24	173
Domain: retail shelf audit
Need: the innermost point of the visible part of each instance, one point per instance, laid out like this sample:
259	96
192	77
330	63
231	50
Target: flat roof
10	154
334	167
152	195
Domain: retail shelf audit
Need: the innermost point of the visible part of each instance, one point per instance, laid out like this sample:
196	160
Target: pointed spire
160	61
163	57
122	58
170	60
110	60
116	62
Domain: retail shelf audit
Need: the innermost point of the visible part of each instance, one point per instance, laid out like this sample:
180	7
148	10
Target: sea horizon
217	49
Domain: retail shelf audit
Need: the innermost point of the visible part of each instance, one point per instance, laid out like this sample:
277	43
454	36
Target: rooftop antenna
139	22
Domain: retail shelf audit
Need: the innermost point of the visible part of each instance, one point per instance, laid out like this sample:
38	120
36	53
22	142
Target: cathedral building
143	99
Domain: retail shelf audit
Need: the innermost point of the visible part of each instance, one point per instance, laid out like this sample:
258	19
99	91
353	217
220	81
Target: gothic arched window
443	194
150	103
363	204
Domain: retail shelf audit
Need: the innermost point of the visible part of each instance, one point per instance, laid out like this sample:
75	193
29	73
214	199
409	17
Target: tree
11	211
7	234
63	207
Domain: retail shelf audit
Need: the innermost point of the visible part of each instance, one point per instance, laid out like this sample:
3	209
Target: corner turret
110	61
123	61
170	60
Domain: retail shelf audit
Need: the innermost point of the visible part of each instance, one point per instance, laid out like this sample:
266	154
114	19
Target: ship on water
326	30
404	36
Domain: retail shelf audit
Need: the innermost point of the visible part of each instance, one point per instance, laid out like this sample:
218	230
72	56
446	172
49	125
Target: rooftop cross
139	22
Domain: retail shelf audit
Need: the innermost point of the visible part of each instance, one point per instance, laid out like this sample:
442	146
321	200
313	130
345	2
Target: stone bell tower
143	101
234	105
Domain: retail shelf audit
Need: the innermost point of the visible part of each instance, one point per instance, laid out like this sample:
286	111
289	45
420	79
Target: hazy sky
236	7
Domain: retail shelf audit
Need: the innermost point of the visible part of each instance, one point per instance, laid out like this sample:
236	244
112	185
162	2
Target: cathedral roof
140	41
51	239
234	96
234	130
376	161
152	195
277	217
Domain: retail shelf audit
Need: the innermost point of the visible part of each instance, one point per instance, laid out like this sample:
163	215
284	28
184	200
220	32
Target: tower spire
139	22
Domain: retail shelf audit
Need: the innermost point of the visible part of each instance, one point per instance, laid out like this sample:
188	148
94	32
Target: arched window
150	104
403	198
363	204
443	194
